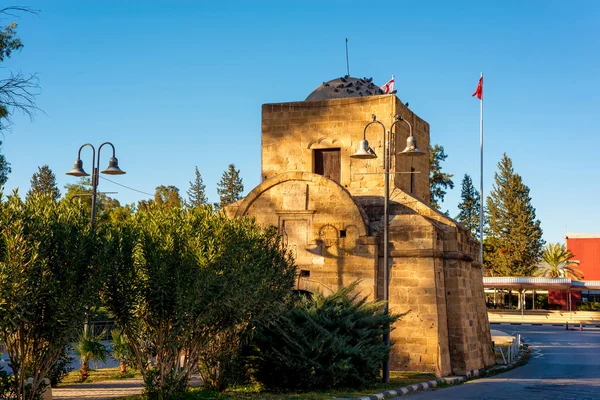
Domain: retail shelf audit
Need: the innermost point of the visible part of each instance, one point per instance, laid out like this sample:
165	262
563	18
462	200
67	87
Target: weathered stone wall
419	164
291	131
322	226
417	288
335	231
432	277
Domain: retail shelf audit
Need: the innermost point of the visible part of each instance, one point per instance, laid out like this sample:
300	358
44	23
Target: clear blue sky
178	84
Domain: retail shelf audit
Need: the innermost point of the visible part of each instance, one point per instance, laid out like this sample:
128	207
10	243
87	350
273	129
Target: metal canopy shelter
521	283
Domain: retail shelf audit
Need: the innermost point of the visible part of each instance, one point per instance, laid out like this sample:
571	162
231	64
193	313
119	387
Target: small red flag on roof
479	90
389	86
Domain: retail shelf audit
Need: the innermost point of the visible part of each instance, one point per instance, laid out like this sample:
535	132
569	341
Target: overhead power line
126	187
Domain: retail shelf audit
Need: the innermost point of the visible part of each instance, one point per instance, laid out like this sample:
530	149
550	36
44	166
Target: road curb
451	380
543	324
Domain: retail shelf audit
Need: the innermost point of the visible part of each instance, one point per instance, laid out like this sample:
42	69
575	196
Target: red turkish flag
479	91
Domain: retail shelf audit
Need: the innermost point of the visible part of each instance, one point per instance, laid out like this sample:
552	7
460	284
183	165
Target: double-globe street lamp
113	169
366	152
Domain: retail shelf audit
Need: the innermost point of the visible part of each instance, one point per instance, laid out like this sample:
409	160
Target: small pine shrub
323	342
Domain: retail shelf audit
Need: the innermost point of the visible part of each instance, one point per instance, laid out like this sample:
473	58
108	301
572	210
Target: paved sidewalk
99	391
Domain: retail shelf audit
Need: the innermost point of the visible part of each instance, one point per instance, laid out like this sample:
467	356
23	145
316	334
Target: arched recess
354	211
324	143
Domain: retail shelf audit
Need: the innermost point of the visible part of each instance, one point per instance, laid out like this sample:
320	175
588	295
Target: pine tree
514	237
44	182
469	206
4	169
230	187
438	181
197	191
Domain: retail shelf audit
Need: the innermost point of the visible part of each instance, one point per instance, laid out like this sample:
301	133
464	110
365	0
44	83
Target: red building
586	248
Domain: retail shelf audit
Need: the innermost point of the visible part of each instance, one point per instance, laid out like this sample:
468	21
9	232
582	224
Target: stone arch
325	142
354	211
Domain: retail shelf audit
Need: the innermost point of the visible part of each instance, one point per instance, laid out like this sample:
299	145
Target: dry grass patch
98	375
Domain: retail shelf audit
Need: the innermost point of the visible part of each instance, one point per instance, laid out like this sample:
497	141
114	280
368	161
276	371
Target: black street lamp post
113	169
366	152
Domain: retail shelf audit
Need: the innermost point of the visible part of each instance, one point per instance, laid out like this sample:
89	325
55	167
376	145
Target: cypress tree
197	191
438	181
230	187
469	206
44	182
514	238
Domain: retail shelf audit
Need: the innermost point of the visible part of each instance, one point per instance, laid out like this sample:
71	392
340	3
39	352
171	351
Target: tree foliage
185	285
46	279
44	182
439	181
17	91
197	191
164	196
323	342
167	196
81	193
514	237
469	206
4	168
230	187
557	263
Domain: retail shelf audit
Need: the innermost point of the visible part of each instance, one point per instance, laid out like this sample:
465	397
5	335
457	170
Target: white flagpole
481	173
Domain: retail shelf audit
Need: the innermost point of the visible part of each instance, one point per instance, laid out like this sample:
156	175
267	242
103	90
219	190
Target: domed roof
346	86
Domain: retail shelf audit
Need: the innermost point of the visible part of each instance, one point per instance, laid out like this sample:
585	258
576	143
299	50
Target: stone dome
344	87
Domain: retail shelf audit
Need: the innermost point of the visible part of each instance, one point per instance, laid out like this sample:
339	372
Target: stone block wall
323	227
335	231
291	131
433	277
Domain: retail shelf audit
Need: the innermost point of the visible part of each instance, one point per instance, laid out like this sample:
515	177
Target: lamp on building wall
113	169
366	152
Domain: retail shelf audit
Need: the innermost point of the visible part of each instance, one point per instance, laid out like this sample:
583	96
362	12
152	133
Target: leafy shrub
324	342
185	285
48	277
156	386
588	306
7	385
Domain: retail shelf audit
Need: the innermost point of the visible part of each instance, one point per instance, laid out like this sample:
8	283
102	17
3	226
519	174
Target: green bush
47	277
7	385
185	285
588	306
323	342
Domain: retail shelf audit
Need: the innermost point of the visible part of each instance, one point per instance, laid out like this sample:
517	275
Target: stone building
329	208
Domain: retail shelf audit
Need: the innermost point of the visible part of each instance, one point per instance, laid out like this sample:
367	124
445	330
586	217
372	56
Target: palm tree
121	351
557	263
89	348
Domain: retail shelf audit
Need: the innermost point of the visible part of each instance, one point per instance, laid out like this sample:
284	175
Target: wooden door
327	163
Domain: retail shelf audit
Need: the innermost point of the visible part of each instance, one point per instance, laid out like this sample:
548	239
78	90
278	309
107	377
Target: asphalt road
563	365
